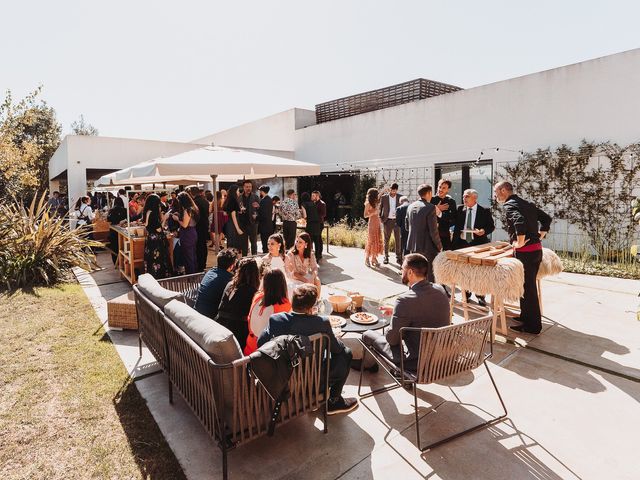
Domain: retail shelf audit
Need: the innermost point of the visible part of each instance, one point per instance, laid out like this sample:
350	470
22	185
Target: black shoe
521	329
481	301
385	261
373	368
341	405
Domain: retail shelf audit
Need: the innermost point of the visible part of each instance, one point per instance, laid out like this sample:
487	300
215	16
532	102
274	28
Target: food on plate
364	317
336	321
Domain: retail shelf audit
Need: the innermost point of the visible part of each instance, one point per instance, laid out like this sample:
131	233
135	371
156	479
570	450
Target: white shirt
85	211
125	200
393	201
474	210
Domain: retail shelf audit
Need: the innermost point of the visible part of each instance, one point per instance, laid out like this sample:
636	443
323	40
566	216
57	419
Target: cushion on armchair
155	292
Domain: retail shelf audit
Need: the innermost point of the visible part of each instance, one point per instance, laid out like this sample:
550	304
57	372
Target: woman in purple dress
187	217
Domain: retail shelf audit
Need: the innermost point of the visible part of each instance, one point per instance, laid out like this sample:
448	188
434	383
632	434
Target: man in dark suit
265	216
401	215
447	208
473	225
250	202
425	305
473	222
318	245
202	226
527	225
388	206
422	224
302	321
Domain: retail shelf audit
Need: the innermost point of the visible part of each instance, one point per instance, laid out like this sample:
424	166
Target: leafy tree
80	127
29	135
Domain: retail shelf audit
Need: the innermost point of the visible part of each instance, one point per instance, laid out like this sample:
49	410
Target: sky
180	70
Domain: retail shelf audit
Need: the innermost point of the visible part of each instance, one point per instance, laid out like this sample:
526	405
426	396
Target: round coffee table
353	327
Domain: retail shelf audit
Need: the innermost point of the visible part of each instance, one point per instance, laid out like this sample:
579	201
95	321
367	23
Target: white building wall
275	132
77	153
598	100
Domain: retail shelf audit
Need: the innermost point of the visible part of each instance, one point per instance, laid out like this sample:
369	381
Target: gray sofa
204	363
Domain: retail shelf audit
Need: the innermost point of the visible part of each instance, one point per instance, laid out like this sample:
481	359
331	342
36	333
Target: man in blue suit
302	321
214	282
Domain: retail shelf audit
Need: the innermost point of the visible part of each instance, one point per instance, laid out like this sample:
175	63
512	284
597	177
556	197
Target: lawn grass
68	408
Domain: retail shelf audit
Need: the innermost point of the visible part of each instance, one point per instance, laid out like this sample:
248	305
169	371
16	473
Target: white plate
343	321
373	319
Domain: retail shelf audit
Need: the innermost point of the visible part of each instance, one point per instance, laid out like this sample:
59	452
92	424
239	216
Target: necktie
468	236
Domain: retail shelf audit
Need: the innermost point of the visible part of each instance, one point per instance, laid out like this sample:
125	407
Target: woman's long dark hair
247	273
186	203
118	203
152	204
274	285
372	197
232	204
307	251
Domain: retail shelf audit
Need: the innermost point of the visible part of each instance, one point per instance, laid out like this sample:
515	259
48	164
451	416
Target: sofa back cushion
155	292
213	338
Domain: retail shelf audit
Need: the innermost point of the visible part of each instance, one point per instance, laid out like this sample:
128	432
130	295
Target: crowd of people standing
243	215
434	223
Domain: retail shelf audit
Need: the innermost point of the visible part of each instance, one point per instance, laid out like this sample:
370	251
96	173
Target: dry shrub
37	248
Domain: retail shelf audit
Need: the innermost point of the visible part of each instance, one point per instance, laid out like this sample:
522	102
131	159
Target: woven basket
121	312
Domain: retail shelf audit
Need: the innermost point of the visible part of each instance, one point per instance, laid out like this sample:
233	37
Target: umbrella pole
216	244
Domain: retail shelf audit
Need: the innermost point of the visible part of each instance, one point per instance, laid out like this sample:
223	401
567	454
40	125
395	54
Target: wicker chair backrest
150	326
187	285
451	350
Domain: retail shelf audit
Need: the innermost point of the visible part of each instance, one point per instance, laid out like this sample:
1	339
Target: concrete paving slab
566	420
344	269
126	341
596	326
587	419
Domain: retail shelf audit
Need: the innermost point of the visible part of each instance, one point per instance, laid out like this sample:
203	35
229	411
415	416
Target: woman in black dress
238	224
156	247
117	214
233	311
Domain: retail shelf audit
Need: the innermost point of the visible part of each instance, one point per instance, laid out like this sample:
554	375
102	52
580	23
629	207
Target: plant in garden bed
37	248
589	187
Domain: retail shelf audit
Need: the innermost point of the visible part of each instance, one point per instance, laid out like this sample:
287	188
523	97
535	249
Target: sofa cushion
212	337
155	292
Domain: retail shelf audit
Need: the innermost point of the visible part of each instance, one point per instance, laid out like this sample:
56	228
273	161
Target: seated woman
275	258
236	300
300	264
271	299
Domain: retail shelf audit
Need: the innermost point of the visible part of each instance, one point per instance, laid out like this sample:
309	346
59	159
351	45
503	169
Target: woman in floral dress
374	238
156	247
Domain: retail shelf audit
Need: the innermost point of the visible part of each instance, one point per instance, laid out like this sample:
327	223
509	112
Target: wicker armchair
444	352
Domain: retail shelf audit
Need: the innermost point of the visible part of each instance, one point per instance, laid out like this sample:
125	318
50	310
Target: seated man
425	305
301	321
214	282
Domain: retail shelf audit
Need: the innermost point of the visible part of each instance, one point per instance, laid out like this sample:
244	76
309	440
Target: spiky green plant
37	248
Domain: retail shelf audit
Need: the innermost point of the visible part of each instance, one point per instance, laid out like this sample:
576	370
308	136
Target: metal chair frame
446	362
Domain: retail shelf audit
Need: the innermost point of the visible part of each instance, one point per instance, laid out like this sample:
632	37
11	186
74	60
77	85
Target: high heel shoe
366	262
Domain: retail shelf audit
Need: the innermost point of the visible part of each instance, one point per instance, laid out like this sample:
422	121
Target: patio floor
572	394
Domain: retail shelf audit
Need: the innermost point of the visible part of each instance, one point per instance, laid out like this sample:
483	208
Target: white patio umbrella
220	161
216	163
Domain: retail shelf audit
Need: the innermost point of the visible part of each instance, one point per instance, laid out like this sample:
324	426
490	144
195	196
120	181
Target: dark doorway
336	190
476	175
